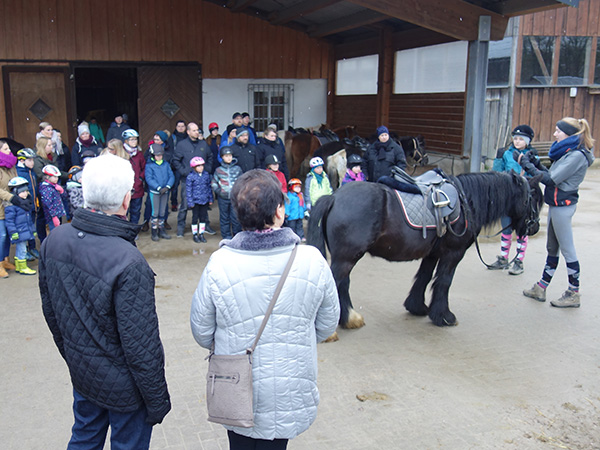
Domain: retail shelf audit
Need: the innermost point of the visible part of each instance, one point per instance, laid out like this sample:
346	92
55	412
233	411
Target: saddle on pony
428	201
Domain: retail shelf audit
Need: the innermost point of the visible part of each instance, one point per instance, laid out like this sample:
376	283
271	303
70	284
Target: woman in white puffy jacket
232	297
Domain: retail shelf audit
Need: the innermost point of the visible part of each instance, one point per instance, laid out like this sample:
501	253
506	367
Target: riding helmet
130	133
51	171
25	153
271	159
354	160
75	173
293	182
523	130
18	185
213	126
316	162
225	151
196	161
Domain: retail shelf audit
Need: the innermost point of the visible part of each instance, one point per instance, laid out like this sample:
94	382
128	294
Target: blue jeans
127	430
40	225
4	241
227	219
135	209
174	188
21	250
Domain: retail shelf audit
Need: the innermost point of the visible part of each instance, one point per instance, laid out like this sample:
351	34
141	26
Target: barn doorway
104	92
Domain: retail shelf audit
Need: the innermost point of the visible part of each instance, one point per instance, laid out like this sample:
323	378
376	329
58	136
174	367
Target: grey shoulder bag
229	379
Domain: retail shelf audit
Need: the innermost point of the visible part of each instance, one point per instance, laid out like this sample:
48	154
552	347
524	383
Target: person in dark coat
84	142
176	137
98	300
246	154
115	131
382	155
184	152
269	145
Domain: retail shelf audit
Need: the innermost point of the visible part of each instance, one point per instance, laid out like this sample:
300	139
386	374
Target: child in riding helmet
19	223
25	169
504	162
354	171
199	197
317	183
223	180
74	188
272	165
295	208
160	178
51	196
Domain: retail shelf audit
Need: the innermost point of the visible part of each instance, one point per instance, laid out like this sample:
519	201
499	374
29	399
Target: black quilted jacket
98	300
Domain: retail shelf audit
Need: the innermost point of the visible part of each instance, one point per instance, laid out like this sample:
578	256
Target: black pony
366	217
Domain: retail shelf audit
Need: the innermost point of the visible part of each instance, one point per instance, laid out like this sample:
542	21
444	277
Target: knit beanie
162	135
82	128
382	129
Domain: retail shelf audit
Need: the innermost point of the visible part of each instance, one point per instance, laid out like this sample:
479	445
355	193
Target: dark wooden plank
561	17
30	30
527	24
116	32
148	30
82	21
571	23
132	39
49	29
65	30
99	31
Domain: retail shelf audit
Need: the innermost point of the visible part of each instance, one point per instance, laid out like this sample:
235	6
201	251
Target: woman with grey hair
234	292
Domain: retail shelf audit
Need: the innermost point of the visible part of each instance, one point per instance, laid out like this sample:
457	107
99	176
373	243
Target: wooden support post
385	76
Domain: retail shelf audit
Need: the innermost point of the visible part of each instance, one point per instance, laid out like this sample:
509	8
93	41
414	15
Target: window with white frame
357	76
437	68
271	103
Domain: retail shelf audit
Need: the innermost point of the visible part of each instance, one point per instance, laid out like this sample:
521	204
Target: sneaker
569	299
209	230
516	268
180	235
500	264
536	292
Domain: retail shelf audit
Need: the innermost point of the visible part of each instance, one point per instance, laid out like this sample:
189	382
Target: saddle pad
416	214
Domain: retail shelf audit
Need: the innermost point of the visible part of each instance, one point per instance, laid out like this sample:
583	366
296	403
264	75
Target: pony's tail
316	235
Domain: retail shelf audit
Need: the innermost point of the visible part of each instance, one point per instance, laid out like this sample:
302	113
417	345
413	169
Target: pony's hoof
334	337
416	308
355	320
444	320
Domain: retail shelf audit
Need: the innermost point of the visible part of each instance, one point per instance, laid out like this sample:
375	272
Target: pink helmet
196	161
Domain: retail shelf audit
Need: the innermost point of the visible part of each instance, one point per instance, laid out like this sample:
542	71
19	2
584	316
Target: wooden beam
515	7
385	76
346	23
306	7
455	18
240	5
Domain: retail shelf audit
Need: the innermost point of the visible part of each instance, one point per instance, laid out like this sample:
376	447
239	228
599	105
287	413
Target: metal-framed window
271	103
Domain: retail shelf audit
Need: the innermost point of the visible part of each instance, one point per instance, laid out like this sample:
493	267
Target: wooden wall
228	45
358	110
580	21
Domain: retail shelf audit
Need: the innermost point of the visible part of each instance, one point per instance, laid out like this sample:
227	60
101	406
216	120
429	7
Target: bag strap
278	289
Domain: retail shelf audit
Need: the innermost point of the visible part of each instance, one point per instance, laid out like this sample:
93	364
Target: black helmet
226	151
523	130
354	160
271	159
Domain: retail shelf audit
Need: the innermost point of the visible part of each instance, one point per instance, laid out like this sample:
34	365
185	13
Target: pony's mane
490	195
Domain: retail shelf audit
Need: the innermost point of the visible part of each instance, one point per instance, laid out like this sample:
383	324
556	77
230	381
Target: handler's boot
500	264
162	233
22	267
569	299
8	265
536	292
3	272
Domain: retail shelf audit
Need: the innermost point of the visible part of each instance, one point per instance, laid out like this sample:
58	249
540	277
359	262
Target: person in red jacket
138	162
272	163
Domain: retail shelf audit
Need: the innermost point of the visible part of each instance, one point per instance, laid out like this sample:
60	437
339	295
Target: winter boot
201	230
22	267
8	265
167	226
569	299
3	273
162	233
500	264
155	236
201	237
516	268
536	292
195	233
145	227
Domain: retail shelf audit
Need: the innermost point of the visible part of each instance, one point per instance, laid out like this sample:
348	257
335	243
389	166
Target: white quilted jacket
229	305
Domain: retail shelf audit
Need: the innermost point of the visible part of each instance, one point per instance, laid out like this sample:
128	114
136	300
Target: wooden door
34	95
167	94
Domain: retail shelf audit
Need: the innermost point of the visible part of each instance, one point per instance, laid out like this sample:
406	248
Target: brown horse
299	148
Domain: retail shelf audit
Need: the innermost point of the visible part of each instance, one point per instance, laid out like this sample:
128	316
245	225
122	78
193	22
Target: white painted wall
222	97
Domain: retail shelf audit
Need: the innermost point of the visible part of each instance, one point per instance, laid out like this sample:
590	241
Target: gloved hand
307	215
516	154
164	190
14	237
35	234
56	221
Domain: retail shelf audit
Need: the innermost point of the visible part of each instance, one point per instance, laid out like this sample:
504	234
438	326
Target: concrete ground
514	374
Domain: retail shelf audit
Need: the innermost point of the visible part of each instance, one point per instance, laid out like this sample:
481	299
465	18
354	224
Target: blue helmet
130	133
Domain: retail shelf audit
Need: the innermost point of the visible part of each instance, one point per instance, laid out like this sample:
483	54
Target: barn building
417	66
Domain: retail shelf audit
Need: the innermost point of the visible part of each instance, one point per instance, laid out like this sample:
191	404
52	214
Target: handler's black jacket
381	157
186	150
247	156
98	300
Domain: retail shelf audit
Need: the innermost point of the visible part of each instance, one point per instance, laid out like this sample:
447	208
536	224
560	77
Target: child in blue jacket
19	224
199	197
159	177
26	161
295	209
